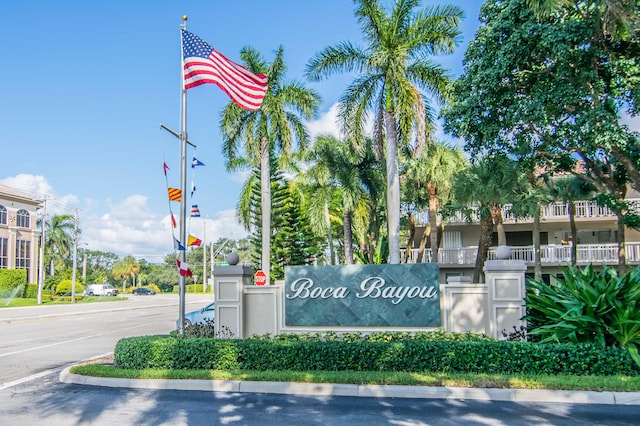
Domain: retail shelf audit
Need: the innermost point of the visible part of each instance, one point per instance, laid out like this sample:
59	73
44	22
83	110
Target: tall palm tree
428	180
59	242
392	69
273	128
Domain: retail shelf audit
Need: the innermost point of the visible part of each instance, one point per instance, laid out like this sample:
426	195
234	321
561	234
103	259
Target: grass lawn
19	301
102	368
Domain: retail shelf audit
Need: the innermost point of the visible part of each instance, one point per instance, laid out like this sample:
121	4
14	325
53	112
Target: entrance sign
260	278
403	295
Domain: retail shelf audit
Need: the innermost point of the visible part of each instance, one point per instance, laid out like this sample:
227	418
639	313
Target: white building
19	239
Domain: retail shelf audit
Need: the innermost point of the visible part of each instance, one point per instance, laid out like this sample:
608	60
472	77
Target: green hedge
12	282
466	356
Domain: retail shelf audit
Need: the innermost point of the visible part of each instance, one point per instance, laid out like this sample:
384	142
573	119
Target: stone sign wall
404	295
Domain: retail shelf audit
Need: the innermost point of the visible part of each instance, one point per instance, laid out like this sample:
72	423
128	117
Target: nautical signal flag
165	167
193	241
203	64
178	245
175	194
173	221
195	162
195	212
183	269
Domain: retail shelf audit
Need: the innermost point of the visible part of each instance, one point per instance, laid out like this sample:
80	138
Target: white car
199	316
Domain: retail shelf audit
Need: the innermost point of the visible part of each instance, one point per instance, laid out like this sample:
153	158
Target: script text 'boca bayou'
404	295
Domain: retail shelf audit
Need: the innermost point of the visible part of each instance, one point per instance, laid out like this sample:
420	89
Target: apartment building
19	239
596	239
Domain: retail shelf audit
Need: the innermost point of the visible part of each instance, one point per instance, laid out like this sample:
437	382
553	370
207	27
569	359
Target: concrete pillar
506	286
229	282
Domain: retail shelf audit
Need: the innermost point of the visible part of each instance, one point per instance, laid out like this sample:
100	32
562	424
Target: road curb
368	391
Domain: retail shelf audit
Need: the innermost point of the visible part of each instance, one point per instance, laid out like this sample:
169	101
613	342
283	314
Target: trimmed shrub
409	355
64	286
12	282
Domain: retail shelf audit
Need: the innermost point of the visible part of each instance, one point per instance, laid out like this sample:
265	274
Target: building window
4	258
3	215
23	250
23	218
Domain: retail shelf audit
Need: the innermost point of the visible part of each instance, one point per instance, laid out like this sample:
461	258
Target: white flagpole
182	254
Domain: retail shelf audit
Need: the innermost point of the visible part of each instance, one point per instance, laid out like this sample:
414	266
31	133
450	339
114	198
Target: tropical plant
391	72
127	266
587	306
427	183
269	131
335	164
59	240
571	189
483	189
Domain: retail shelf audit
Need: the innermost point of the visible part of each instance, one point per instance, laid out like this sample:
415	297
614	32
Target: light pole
42	243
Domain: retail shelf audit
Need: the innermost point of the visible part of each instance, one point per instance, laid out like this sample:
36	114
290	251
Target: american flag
203	64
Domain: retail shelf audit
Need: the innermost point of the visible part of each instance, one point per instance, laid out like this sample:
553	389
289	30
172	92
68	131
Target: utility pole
204	257
43	240
75	255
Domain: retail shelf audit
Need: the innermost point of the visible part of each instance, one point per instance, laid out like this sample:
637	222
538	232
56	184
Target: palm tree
392	69
428	180
271	129
336	165
488	184
571	189
59	232
127	266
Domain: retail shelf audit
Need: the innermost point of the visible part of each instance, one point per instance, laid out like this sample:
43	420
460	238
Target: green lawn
583	383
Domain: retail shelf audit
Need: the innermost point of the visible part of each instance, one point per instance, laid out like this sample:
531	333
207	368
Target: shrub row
465	356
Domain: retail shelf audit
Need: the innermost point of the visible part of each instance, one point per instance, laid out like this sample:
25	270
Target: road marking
64	342
47	372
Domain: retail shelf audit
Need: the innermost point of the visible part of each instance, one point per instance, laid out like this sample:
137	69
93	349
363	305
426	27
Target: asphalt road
36	343
39	339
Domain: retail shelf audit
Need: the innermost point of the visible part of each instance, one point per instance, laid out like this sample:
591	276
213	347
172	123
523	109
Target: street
36	343
38	339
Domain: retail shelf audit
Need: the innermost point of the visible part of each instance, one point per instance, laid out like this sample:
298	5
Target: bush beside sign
404	295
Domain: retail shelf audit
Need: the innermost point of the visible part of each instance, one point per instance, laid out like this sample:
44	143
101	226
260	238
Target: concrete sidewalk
370	391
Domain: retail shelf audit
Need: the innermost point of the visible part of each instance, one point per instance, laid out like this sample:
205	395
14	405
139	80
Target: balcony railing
554	211
549	254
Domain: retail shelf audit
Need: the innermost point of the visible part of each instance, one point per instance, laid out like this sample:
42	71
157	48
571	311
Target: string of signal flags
175	194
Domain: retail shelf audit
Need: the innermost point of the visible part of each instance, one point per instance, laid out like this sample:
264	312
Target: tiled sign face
405	295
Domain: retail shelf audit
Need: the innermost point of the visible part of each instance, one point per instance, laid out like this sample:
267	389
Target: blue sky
84	87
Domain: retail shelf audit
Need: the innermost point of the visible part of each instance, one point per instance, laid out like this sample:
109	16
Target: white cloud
39	187
326	124
129	227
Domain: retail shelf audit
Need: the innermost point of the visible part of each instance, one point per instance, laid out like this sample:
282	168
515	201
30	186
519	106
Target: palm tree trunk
433	223
348	238
537	262
265	185
496	213
327	219
393	188
412	235
423	243
486	229
574	232
622	252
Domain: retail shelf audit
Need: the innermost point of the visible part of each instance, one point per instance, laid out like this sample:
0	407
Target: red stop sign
260	278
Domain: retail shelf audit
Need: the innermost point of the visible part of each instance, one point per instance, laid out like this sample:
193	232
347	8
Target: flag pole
182	254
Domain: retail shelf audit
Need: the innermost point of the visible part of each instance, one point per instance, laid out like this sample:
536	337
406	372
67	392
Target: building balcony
549	254
558	211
